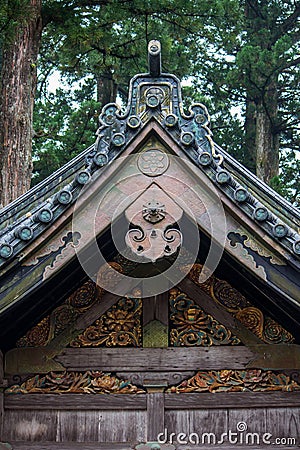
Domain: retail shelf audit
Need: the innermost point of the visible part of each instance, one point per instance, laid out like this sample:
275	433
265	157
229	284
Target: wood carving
90	382
119	326
237	381
191	326
267	329
52	325
153	217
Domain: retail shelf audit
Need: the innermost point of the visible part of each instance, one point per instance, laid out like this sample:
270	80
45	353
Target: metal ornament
154	212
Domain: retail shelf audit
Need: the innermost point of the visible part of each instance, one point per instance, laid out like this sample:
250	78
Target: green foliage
65	124
233	51
12	14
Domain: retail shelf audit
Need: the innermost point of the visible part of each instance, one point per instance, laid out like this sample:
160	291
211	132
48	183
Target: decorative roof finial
154	58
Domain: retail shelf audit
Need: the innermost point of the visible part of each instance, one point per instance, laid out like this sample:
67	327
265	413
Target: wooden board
155	359
235	400
75	401
155	415
70	446
76	426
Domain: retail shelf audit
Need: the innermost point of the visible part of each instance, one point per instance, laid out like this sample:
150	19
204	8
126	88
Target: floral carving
191	326
52	325
90	382
237	381
119	326
267	329
153	162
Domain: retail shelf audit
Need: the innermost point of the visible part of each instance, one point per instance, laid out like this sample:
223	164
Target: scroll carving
237	381
90	382
264	327
153	217
119	326
192	326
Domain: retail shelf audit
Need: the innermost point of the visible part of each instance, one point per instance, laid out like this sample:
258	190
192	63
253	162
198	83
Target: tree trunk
267	139
106	89
18	85
250	132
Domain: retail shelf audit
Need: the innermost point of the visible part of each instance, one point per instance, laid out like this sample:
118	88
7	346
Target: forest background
241	58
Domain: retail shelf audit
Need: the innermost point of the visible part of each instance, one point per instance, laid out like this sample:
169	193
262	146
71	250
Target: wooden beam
1	369
235	447
276	356
75	401
155	359
1	413
203	400
155	415
18	445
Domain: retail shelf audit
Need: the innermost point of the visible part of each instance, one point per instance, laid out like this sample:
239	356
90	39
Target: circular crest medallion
153	162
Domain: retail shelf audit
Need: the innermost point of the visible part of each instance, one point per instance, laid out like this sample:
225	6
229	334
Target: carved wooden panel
191	326
119	326
237	381
264	327
89	382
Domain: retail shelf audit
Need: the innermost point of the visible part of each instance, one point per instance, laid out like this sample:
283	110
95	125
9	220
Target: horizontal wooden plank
219	400
75	401
155	359
114	446
236	447
17	445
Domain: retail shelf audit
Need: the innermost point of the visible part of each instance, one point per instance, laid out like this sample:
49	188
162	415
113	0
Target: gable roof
154	110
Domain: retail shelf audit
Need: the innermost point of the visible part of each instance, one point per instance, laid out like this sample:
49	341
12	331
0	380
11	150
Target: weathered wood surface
265	428
17	445
201	421
30	425
1	369
155	359
75	401
232	400
75	426
138	401
155	415
1	413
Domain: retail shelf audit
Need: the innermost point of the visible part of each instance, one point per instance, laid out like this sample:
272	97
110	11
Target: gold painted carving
52	325
267	329
119	326
90	382
191	326
236	381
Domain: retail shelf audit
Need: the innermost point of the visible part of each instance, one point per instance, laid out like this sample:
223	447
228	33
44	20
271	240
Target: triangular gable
152	143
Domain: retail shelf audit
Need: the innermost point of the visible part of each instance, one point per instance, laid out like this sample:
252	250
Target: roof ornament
152	96
154	58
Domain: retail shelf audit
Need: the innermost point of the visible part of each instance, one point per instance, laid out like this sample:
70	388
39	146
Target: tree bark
250	133
106	89
267	139
262	103
18	86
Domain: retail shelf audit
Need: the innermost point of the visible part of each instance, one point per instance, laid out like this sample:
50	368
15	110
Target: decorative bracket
153	233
